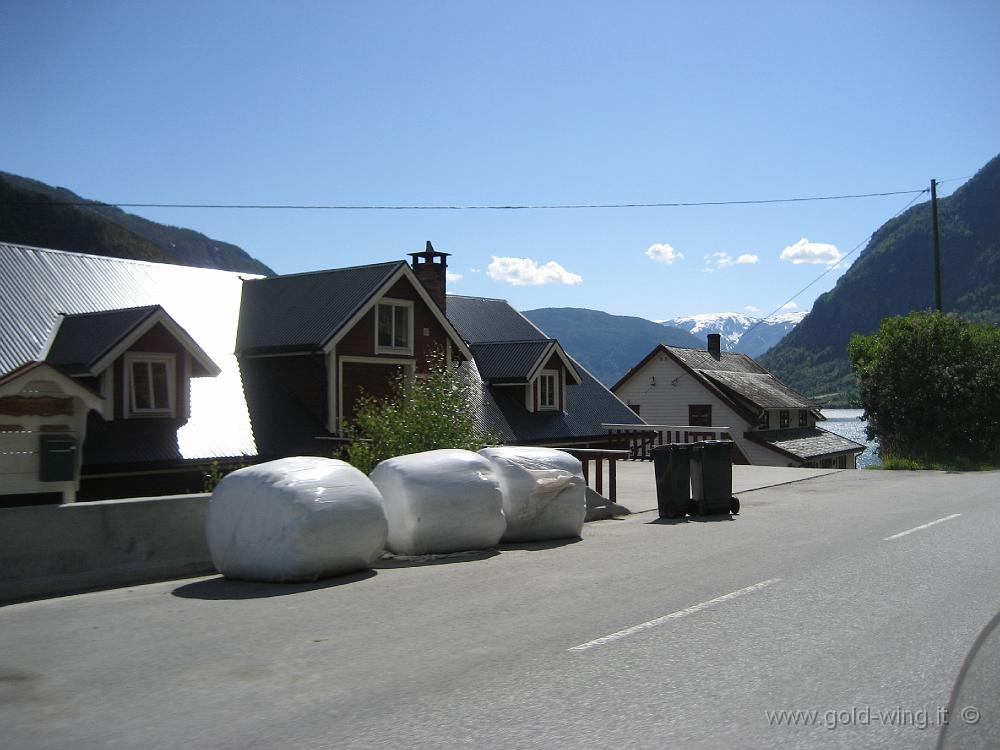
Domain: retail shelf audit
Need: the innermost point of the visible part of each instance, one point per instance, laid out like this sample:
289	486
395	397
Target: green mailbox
56	458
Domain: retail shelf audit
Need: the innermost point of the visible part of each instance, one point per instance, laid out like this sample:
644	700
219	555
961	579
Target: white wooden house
770	423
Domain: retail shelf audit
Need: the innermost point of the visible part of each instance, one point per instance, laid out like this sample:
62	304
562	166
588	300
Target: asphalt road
644	634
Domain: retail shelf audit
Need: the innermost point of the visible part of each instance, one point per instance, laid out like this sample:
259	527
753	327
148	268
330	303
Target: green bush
431	411
930	387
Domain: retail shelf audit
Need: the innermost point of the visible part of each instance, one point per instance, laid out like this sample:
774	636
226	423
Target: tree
930	387
427	412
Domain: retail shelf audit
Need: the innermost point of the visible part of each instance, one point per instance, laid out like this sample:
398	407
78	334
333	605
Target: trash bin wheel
734	506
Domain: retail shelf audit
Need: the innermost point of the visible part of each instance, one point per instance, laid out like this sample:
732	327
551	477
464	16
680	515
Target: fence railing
599	456
640	439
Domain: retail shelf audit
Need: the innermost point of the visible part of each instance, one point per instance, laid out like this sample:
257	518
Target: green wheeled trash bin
712	478
672	469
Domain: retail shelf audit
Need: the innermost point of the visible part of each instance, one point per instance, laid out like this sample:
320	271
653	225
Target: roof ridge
515	341
111	310
387	264
473	296
127	261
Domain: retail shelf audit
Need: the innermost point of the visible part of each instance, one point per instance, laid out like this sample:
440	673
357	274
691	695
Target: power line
499	207
835	266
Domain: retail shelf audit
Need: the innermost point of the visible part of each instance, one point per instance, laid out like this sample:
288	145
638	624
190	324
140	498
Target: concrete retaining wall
51	550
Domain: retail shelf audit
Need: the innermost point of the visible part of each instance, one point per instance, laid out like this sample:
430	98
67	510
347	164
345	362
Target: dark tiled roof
508	361
805	443
501	409
480	319
303	311
700	359
763	390
83	338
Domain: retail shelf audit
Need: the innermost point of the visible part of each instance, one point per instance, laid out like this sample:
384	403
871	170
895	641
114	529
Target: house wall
667	403
21	429
428	333
157	340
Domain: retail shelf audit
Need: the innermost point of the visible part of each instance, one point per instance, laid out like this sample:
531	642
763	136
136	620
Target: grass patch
958	463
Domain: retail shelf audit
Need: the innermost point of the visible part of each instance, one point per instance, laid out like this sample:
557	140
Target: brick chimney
715	345
431	268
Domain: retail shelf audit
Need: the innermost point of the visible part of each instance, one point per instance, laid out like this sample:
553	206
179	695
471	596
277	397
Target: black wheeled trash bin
672	468
712	477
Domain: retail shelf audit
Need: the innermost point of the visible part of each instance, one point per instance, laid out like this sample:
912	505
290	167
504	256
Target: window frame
542	377
706	409
803	417
764	421
394	304
784	419
169	362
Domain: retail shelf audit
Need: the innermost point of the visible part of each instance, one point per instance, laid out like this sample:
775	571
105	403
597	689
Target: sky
515	103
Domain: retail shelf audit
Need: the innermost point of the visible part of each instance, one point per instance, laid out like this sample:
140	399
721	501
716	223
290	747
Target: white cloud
475	270
718	260
789	306
747	258
526	272
661	252
751	309
817	253
453	276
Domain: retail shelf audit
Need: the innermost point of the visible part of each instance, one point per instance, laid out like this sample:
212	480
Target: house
309	344
128	364
135	377
770	423
531	392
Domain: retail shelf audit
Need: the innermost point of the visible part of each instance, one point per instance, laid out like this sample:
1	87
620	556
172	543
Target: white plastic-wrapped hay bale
295	519
544	492
440	501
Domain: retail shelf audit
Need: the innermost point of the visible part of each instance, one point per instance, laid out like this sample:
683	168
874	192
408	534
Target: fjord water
849	424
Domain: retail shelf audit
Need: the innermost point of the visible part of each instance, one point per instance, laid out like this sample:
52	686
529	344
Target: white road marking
918	528
672	616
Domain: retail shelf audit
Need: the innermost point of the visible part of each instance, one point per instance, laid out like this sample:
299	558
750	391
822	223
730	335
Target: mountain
894	275
31	213
607	345
740	333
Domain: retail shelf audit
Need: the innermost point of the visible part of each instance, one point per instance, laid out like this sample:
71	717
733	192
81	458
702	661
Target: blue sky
458	103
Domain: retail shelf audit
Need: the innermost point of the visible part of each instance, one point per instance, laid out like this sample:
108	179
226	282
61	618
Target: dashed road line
672	616
920	528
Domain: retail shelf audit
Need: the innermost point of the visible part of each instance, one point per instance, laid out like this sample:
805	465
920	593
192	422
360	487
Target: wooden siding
665	403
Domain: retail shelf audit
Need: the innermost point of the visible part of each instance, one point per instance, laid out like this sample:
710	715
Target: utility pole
937	246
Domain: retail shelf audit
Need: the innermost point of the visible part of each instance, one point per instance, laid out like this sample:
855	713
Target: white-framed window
150	384
548	390
394	327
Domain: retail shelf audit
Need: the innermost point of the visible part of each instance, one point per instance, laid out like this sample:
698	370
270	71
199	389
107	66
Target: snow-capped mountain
735	329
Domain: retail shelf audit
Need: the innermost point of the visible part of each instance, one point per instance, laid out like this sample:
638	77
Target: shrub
930	387
431	411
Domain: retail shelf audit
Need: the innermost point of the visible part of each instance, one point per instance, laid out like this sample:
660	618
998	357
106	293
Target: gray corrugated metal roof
37	284
762	389
82	339
480	319
508	361
805	443
302	311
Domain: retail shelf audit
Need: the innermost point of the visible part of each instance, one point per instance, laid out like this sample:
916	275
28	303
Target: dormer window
394	327
548	384
151	384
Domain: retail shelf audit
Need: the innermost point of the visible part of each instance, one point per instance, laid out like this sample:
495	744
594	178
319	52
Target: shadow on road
416	561
689	519
218	589
538	546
